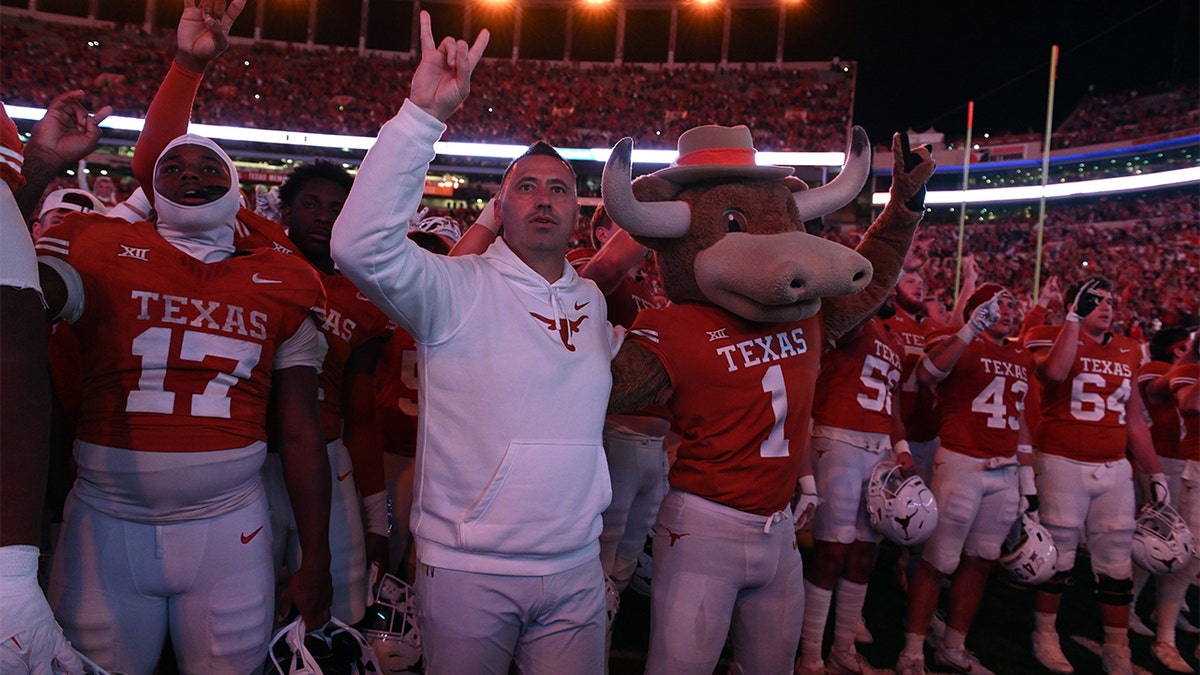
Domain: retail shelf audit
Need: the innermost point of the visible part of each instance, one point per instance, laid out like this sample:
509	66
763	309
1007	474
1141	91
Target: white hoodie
513	377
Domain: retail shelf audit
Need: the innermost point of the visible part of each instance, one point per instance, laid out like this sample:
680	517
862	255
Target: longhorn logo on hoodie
565	327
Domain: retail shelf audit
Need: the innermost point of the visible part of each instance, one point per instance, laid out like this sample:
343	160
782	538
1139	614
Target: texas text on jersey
1083	417
190	350
347	321
867	370
748	457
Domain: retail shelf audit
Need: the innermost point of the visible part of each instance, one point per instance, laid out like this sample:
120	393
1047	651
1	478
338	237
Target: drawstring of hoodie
556	306
533	284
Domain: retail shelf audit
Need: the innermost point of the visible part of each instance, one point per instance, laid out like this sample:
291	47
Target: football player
856	423
986	451
1167	382
633	443
1091	413
59	203
907	315
351	334
31	641
904	315
182	345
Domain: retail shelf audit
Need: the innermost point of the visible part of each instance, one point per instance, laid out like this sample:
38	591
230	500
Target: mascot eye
735	220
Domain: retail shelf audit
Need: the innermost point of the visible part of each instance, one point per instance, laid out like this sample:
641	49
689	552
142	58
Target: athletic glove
1085	301
1159	492
984	316
911	160
377	513
1026	483
806	503
27	625
904	459
487	217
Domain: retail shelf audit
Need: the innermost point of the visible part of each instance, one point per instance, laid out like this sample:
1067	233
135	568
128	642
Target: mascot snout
791	272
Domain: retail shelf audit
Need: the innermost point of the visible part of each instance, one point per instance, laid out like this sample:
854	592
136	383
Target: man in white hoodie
514	349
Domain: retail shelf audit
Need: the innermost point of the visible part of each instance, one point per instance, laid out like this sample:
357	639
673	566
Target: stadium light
447	148
1031	193
1161	179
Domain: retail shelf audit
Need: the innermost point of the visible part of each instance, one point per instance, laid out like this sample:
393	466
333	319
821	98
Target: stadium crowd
324	363
1104	116
1150	246
577	104
568	105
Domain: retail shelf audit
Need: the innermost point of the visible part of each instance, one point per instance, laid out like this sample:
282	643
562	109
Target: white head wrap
204	232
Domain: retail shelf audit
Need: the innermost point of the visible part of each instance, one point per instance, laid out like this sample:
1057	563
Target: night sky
919	62
919	68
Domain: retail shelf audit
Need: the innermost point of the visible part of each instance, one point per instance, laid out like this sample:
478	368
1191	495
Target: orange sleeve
167	119
1036	316
12	152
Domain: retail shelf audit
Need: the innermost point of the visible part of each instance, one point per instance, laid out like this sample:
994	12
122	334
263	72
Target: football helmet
1029	553
390	627
332	649
901	509
640	581
1162	540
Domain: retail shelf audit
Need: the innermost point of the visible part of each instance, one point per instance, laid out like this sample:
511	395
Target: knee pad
1109	591
1057	583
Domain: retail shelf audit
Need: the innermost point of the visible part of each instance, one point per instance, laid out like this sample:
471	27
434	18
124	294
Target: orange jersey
1036	316
396	394
1165	425
252	232
629	298
1184	375
1083	417
859	381
742	399
12	152
176	354
916	400
983	397
624	304
348	321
